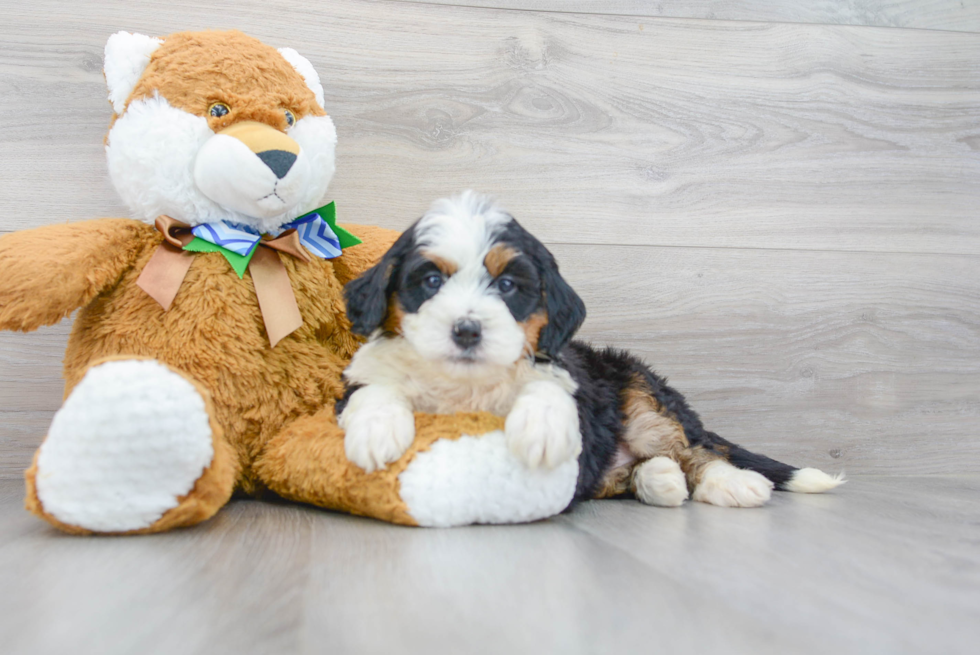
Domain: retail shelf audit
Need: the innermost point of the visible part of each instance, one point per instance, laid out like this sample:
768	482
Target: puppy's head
466	285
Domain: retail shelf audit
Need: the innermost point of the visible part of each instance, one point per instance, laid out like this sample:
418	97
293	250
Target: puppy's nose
466	333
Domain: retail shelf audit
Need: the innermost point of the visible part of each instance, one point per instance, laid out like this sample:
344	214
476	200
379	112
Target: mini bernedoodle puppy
467	312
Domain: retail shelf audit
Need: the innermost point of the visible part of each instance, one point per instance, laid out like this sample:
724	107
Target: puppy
468	312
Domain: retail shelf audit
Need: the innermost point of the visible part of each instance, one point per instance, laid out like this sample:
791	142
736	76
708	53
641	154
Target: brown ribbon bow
165	272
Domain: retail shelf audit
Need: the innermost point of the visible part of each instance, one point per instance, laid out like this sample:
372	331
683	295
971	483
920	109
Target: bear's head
216	126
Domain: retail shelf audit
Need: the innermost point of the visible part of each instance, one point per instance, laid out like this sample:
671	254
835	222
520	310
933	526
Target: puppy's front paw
376	433
542	427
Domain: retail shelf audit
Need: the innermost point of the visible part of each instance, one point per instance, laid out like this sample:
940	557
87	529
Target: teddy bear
206	355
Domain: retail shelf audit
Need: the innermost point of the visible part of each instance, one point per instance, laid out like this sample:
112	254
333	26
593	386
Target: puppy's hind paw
660	481
728	486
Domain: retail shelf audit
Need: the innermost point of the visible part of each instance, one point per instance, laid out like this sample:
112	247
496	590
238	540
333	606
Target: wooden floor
775	202
883	565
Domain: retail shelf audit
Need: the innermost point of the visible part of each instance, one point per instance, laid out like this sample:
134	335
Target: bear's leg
457	471
134	449
306	462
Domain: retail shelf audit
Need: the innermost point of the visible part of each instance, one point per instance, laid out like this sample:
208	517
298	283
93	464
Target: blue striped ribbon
314	233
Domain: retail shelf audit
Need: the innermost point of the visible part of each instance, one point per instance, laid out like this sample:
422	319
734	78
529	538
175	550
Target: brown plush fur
194	70
213	334
271	409
306	462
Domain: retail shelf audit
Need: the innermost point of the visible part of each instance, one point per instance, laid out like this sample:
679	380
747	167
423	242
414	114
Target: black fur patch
566	311
367	295
411	276
603	377
526	297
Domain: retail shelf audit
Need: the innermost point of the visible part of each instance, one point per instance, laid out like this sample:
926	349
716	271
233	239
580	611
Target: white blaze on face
462	231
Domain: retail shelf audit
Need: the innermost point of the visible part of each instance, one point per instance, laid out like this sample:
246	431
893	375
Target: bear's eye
218	110
290	119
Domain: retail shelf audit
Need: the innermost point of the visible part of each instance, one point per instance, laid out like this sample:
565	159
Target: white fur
542	428
305	68
813	481
230	174
660	481
152	152
379	427
428	372
126	57
728	486
461	229
395	374
132	437
425	385
477	480
464	296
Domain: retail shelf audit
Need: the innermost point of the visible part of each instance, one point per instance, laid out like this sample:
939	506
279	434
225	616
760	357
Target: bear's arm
359	258
49	272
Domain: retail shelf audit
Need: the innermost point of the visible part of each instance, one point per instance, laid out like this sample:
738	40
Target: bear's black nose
466	333
279	161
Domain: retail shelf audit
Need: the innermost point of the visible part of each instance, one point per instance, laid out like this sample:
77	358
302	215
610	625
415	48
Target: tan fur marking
194	70
693	462
393	320
652	432
649	431
616	482
447	267
497	259
532	327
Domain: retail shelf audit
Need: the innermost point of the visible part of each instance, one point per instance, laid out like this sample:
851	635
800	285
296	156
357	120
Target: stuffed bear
207	354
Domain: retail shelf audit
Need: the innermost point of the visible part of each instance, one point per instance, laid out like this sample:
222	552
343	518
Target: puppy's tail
784	476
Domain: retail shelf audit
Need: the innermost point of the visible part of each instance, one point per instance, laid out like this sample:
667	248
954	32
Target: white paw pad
660	481
542	427
378	428
727	486
132	438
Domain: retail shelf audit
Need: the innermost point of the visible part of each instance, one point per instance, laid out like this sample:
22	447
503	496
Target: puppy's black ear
367	296
566	311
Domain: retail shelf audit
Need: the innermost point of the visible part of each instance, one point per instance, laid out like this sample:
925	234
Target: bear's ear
305	68
126	57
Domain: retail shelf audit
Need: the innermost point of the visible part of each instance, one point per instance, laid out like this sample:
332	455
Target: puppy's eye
218	109
506	285
290	119
432	282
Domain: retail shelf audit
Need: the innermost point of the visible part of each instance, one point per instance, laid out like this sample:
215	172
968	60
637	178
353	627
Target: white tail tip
813	481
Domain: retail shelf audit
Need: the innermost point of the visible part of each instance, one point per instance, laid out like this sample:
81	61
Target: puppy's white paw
542	427
379	427
727	486
660	481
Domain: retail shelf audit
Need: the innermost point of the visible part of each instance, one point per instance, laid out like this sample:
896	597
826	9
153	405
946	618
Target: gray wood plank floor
883	565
